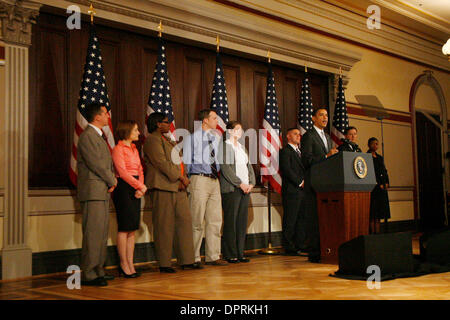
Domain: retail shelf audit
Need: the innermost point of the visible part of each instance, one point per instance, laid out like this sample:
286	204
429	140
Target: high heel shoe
166	270
138	274
122	273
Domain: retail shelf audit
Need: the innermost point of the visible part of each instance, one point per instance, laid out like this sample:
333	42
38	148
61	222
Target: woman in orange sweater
127	196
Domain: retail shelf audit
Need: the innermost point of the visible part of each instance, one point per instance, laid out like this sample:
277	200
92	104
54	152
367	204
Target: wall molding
202	21
58	261
38	202
350	27
393	115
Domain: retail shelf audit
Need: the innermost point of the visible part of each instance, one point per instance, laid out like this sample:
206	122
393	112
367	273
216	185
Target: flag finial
268	55
160	29
306	68
218	42
340	72
92	12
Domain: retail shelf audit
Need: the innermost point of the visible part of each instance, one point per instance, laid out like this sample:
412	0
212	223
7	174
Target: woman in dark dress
349	142
379	201
128	193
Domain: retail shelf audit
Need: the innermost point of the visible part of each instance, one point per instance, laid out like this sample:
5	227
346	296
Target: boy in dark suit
292	173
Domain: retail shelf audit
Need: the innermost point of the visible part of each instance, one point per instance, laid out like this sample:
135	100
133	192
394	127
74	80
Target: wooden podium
343	184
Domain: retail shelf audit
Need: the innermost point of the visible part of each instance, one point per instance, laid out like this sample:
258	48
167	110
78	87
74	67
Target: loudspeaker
391	252
435	247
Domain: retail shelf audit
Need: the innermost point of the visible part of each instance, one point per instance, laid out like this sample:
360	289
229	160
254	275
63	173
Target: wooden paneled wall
57	59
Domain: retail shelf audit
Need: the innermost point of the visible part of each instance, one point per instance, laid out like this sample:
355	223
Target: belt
209	175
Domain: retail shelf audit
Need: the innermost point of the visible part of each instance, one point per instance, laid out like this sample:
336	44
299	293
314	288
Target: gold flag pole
160	29
269	250
218	43
340	72
92	12
306	68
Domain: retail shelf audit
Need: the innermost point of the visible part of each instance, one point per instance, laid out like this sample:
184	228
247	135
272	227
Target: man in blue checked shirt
200	156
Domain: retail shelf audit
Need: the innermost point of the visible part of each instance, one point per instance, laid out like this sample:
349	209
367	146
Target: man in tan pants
200	154
167	182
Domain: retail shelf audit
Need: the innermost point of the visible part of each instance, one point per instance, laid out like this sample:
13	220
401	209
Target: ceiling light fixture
446	49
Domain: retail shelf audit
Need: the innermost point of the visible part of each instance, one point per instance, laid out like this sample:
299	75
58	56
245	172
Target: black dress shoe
244	259
302	253
108	277
314	258
98	282
235	260
166	270
196	265
290	253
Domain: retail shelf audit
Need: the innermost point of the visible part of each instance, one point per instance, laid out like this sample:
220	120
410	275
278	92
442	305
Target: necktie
298	152
104	137
324	139
212	159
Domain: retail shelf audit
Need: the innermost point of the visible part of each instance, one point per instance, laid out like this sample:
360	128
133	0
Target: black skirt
128	207
379	204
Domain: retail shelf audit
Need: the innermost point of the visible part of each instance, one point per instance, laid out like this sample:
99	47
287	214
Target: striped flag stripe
270	143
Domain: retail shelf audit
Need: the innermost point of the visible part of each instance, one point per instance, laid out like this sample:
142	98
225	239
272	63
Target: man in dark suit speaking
316	146
293	174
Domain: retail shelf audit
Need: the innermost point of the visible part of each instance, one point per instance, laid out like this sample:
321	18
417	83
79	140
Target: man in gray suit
316	146
96	180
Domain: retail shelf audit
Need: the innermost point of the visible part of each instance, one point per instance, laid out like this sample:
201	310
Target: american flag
271	137
340	117
160	99
219	101
93	90
306	107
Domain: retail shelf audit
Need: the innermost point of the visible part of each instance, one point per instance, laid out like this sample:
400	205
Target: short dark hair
348	129
315	110
92	110
233	124
153	120
124	128
371	140
292	128
204	113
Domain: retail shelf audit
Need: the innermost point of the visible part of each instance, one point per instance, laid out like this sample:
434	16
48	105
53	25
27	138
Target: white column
16	18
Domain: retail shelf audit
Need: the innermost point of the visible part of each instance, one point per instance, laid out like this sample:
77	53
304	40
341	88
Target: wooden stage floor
265	277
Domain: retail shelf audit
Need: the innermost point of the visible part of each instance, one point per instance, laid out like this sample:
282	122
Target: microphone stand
269	250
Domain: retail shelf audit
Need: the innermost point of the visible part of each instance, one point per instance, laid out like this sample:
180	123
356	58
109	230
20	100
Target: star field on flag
340	117
306	107
219	101
93	90
159	99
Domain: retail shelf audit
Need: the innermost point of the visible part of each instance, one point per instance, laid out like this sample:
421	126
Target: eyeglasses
165	121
